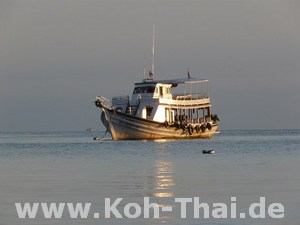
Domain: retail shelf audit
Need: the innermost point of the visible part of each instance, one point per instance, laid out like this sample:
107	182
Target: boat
156	111
91	130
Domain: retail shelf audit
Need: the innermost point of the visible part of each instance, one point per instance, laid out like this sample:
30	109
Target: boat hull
122	126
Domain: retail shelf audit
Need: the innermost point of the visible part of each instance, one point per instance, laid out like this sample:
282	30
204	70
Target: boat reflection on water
161	185
163	179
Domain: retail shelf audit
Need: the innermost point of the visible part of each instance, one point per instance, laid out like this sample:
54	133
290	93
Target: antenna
144	66
153	49
188	73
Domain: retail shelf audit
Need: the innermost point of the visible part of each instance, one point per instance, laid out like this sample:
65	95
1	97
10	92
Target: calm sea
72	167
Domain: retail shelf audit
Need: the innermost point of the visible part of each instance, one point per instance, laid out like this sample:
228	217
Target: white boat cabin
156	100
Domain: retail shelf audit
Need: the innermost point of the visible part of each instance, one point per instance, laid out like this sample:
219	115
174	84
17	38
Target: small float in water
97	138
208	151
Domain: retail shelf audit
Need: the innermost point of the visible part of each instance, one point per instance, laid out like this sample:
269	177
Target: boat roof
174	81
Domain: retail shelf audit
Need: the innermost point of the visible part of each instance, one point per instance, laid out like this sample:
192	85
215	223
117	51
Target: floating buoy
97	139
209	151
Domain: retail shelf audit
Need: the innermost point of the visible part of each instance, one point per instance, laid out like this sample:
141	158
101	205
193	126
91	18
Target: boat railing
120	101
199	120
121	98
131	110
191	96
182	97
105	102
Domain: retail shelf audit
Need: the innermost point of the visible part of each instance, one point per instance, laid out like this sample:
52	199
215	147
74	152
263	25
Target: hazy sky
57	55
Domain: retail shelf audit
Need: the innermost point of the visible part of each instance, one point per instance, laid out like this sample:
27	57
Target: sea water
70	167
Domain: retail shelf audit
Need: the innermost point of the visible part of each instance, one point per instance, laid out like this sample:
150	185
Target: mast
153	39
145	68
151	72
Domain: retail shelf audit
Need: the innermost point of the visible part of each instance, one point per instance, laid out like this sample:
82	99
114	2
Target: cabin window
161	92
137	90
147	89
150	89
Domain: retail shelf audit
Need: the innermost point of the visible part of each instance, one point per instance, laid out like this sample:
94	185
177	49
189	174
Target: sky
57	55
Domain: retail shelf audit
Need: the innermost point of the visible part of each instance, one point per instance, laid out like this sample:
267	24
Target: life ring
208	125
138	98
197	128
97	103
203	128
191	129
